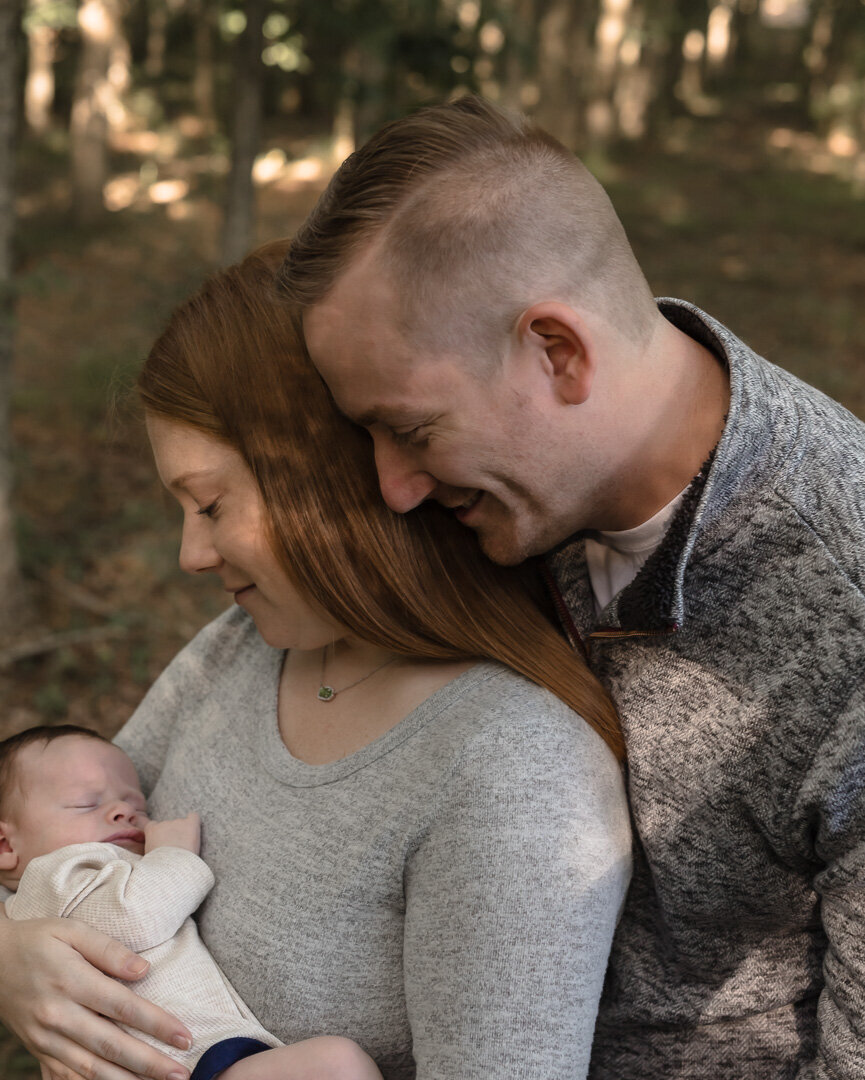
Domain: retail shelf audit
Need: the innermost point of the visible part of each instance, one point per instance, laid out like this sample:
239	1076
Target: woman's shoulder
515	751
509	723
227	652
226	646
227	638
501	700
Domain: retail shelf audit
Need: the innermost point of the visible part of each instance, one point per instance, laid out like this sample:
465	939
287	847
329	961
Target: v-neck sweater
446	896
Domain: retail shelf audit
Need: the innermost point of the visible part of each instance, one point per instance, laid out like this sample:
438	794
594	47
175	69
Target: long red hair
232	363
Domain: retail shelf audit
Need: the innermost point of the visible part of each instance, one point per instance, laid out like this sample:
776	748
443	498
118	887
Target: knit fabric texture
145	902
737	660
446	896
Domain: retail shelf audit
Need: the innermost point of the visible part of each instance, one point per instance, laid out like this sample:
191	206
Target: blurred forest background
145	142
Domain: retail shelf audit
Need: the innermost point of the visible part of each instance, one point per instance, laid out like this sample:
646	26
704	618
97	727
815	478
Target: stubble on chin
502	547
507	545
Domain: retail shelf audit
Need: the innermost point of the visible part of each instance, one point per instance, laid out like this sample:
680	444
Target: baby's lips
134	836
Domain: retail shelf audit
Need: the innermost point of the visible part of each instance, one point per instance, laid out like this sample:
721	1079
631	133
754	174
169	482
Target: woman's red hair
232	363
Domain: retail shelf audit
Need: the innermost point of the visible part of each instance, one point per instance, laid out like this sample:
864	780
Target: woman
414	845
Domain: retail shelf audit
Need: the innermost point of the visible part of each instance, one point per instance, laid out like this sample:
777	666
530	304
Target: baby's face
72	791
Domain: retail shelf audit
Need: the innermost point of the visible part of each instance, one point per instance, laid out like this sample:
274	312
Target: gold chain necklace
327	693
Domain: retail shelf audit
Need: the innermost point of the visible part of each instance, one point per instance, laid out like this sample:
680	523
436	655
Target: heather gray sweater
737	658
446	896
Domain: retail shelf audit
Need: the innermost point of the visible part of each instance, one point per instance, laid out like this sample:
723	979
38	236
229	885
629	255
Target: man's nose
403	485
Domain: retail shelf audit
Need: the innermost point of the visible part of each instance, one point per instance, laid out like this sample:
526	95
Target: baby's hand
183	833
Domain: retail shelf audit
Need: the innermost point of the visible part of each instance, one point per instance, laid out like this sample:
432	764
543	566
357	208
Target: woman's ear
8	857
567	347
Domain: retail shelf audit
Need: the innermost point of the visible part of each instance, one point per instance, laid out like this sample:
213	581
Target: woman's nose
197	553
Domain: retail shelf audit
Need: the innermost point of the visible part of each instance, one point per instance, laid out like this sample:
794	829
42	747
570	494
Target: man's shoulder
786	445
816	472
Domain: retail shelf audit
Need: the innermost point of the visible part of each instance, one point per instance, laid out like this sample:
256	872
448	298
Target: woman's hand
54	997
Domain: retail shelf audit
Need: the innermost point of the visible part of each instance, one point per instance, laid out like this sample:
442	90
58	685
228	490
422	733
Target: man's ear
564	338
8	857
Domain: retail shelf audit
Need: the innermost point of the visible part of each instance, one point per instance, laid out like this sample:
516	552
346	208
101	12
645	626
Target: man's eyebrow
179	482
389	415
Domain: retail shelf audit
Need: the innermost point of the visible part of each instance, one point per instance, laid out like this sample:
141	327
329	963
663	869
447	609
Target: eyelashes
416	437
210	510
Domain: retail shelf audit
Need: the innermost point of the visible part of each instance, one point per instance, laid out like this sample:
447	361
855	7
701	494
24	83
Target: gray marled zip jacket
737	658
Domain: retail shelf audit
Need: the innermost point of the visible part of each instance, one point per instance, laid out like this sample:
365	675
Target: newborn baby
76	842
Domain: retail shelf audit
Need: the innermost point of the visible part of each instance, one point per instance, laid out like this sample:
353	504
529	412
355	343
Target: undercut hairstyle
474	214
232	364
12	746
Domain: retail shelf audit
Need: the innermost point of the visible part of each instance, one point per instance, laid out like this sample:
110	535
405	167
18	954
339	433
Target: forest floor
735	219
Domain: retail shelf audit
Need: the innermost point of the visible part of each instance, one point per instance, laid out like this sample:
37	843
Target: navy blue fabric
218	1057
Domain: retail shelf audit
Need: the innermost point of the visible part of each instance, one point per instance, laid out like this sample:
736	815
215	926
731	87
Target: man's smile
463	509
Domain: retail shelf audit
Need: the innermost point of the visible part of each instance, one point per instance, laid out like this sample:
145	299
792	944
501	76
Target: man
470	297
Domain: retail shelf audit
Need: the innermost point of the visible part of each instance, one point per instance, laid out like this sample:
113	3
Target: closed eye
209	510
414	437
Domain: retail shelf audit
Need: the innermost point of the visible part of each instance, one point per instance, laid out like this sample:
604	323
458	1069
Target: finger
98	997
102	998
127	1008
85	1066
57	1071
102	951
117	1002
99	1050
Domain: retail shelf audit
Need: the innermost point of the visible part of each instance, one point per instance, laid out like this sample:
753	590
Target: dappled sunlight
306	171
167	191
718	33
93	18
121	191
785	14
136	142
838	154
153	186
733	144
268	166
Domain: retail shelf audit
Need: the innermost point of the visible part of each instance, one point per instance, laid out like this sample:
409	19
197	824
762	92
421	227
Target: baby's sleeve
139	900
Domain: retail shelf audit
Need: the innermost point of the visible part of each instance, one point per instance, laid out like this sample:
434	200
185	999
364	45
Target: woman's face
225	533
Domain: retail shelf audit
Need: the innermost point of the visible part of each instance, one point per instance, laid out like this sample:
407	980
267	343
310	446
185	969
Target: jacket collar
756	437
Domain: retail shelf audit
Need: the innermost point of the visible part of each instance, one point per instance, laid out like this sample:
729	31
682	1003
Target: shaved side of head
471	248
474	214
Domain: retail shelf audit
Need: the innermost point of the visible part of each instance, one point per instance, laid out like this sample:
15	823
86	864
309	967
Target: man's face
472	434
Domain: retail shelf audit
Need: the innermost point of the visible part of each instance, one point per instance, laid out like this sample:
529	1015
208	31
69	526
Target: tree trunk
39	87
366	70
564	59
519	88
157	26
666	57
237	237
11	589
204	79
103	72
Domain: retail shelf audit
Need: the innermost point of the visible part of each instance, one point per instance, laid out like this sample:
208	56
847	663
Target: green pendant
326	693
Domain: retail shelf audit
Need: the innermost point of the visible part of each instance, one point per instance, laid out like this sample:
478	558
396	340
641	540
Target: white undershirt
615	558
